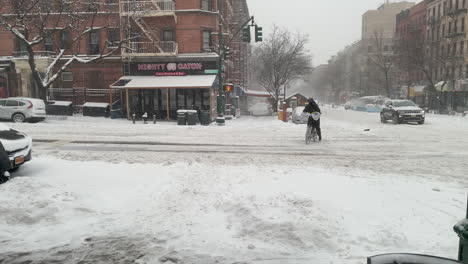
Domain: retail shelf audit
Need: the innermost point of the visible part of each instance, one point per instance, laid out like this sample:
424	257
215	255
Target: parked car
16	145
402	111
367	103
19	109
298	117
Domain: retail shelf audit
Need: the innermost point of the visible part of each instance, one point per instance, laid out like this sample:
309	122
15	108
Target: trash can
192	117
205	118
181	117
96	109
461	228
61	108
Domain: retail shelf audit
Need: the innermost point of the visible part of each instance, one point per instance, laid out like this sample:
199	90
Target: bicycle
311	132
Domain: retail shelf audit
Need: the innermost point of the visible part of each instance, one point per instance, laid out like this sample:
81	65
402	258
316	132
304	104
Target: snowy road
109	191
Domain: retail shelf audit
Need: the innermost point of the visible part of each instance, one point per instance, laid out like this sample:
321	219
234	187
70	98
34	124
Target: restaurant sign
172	68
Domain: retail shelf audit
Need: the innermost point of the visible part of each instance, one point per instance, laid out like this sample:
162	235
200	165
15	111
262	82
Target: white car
298	117
20	109
18	148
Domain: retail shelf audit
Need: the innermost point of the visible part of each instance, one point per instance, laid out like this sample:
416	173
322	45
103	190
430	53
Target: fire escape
139	23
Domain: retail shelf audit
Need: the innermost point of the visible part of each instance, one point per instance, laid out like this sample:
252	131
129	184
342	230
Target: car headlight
423	112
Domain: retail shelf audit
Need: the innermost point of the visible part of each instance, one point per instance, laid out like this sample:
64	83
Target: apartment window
45	6
385	49
207	5
113	37
94	42
450	28
438	11
451	4
464	4
206	45
456	4
168	38
48	42
455	26
466	70
462	47
443	30
67	77
66	40
454	50
92	5
463	25
168	35
460	71
20	46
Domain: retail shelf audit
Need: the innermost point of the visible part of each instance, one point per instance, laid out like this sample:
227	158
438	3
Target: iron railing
161	47
146	7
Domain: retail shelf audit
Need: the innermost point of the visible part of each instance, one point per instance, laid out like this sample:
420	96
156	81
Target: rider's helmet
311	100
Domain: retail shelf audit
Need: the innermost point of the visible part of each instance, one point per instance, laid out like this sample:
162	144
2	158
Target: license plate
19	160
413	115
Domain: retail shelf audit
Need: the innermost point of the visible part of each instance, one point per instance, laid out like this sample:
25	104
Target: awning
164	82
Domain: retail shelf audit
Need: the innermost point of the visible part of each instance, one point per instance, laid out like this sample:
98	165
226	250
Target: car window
405	103
2	102
12	103
21	103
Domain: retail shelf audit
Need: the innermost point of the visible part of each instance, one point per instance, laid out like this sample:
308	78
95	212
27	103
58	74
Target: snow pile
197	213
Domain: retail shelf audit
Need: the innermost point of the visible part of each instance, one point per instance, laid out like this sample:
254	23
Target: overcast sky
331	25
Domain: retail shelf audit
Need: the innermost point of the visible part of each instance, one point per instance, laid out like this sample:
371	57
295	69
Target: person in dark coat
311	108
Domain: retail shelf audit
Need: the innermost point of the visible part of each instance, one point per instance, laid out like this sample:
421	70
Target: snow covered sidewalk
195	213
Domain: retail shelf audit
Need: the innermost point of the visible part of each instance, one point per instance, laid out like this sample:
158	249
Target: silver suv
19	109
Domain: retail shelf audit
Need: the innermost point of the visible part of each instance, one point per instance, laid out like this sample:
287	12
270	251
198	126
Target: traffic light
246	34
258	34
228	88
227	53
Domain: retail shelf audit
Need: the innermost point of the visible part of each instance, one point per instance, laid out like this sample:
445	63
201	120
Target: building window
113	37
168	35
450	28
92	5
206	45
168	40
207	5
66	40
48	42
463	25
67	77
464	3
454	49
462	47
94	42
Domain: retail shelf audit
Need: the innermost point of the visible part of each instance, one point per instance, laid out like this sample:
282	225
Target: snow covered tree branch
57	29
281	59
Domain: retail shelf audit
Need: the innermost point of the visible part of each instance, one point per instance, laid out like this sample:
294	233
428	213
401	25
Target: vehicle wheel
308	135
382	119
421	122
396	120
18	118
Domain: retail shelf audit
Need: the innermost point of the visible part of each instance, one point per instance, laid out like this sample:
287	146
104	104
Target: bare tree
61	26
427	55
281	59
382	57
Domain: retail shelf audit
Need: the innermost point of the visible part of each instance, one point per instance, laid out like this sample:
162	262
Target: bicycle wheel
314	135
308	135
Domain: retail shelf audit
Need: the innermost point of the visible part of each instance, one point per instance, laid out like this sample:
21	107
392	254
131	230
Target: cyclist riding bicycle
311	108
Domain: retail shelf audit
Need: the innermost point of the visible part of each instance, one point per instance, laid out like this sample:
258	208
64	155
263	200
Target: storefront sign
172	68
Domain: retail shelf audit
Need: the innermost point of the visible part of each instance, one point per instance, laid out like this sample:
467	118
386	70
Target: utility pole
220	120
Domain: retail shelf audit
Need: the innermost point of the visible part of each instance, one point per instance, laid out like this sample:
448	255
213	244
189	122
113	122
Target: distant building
378	32
382	20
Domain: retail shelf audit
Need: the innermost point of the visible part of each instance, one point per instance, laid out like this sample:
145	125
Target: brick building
172	45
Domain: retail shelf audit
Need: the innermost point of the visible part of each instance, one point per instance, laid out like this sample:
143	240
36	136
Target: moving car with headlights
19	109
298	117
402	111
17	146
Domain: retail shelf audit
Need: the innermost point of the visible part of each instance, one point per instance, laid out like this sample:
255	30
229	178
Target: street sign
211	71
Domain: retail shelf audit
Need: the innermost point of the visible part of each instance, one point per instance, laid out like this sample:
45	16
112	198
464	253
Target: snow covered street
109	191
